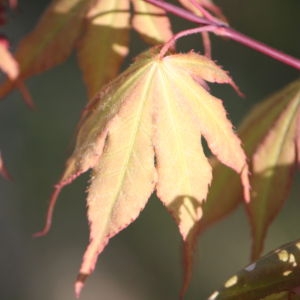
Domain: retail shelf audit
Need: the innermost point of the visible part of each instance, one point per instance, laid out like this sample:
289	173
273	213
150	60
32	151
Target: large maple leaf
143	133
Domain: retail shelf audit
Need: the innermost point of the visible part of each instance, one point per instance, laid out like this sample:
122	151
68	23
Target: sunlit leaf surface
143	133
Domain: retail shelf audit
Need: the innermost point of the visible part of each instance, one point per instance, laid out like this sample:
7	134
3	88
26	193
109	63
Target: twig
223	29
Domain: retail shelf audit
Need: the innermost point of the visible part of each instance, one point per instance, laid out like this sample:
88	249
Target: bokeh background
144	261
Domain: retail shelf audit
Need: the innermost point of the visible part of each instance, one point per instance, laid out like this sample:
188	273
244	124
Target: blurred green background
144	261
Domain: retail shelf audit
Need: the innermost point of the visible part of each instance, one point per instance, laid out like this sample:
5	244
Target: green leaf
274	276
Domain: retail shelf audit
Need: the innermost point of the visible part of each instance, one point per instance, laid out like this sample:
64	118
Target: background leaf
276	272
274	161
151	22
8	64
104	43
52	40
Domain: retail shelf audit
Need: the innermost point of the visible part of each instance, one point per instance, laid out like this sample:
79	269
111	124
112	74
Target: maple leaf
143	133
270	135
97	30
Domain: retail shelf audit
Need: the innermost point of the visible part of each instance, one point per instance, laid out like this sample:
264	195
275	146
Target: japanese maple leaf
98	31
141	134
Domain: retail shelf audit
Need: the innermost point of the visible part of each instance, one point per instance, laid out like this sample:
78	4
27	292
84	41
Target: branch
223	29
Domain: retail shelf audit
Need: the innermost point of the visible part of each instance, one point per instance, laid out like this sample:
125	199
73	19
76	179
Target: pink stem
183	33
224	30
206	44
259	46
49	215
180	12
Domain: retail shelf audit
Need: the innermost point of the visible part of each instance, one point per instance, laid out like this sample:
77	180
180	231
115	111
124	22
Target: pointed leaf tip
79	283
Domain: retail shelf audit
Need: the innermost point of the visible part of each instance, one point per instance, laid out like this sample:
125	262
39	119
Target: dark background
143	262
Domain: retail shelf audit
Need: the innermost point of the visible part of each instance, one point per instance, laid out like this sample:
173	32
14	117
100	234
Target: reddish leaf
52	40
8	64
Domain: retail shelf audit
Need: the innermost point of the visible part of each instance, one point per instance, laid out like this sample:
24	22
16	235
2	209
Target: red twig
223	29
